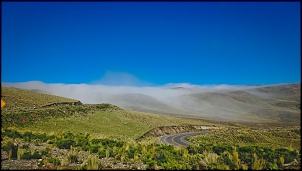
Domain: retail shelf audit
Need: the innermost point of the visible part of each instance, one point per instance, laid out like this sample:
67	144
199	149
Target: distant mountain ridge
278	103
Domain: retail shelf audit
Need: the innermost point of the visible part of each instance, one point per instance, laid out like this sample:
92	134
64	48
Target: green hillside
114	123
19	98
101	120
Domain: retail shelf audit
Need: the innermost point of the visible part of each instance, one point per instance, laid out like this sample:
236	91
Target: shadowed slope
242	105
143	103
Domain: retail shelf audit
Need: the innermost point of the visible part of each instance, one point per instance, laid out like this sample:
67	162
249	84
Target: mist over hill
259	103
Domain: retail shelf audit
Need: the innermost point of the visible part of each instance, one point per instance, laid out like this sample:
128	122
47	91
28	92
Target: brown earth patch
165	130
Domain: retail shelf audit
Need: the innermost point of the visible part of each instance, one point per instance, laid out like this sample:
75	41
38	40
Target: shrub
218	149
65	144
7	144
94	148
11	134
103	106
72	156
83	143
95	141
102	152
91	163
53	160
30	155
45	151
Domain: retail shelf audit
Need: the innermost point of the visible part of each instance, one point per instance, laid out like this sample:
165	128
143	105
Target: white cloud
165	98
114	83
112	78
97	93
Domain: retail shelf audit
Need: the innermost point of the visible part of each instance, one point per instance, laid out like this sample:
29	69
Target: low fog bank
93	94
244	103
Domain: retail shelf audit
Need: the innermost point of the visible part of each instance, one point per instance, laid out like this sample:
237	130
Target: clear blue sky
157	42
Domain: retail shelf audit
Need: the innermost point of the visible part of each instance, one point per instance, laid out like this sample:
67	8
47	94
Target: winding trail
180	139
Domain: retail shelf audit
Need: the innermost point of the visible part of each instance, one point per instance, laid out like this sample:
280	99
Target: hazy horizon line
173	85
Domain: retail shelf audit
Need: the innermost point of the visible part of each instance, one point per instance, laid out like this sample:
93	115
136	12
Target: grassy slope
118	123
285	137
18	98
110	122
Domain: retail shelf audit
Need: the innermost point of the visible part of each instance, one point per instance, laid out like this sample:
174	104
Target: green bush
83	143
220	148
103	106
7	145
54	161
94	148
91	163
102	153
30	155
95	141
65	144
11	134
72	156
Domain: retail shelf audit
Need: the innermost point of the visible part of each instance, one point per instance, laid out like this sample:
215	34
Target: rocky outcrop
63	103
165	130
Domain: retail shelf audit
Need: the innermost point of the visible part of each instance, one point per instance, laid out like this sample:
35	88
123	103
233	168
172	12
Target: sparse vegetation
285	137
